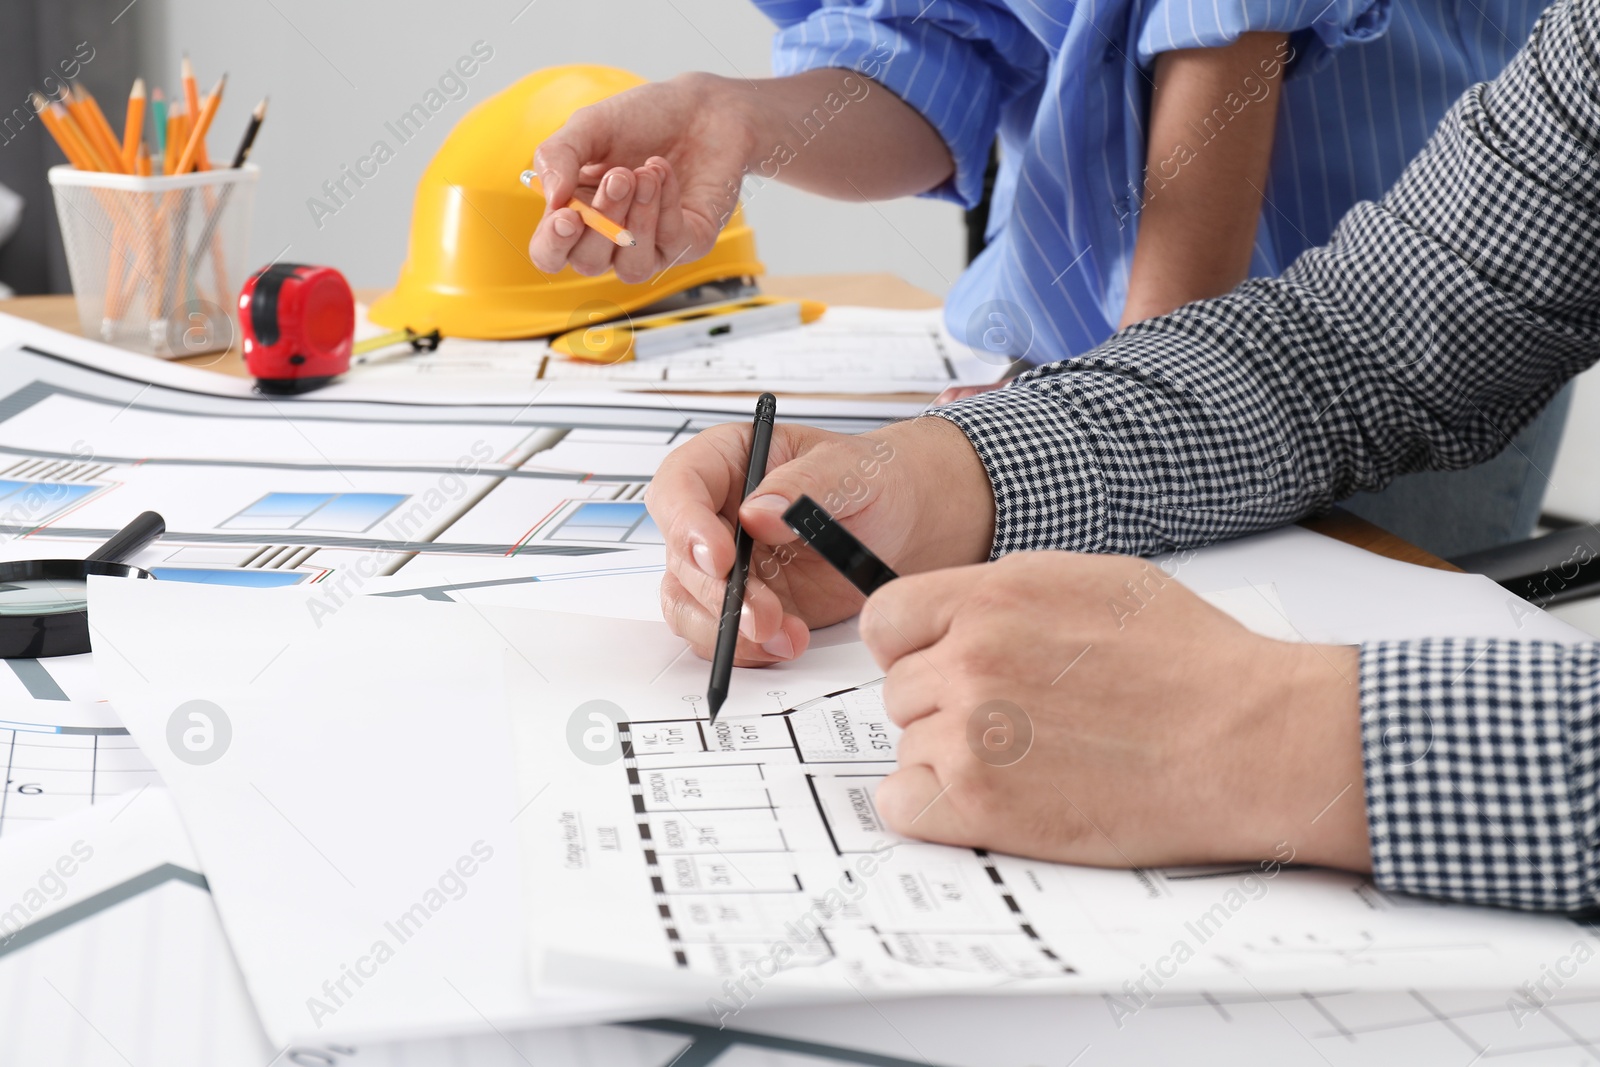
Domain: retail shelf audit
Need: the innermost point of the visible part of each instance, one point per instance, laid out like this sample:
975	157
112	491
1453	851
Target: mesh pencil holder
157	263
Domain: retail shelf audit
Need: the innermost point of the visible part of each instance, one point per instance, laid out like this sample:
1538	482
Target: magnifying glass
44	603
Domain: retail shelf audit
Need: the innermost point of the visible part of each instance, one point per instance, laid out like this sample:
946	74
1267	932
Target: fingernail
780	646
617	185
768	502
647	188
702	558
564	226
747	623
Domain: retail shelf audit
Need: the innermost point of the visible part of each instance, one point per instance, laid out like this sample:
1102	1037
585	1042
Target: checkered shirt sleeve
1480	763
1433	327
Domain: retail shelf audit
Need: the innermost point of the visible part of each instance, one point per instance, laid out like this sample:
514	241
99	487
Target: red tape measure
299	327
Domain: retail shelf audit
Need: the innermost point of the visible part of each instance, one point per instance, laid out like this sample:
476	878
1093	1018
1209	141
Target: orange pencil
132	126
74	119
100	131
53	116
590	215
202	123
142	164
175	139
191	101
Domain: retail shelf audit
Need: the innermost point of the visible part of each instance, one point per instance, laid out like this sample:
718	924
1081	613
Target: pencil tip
138	87
625	238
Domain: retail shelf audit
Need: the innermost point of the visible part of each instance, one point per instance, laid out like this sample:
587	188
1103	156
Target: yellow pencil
191	100
590	215
176	138
132	126
99	130
53	116
202	123
75	119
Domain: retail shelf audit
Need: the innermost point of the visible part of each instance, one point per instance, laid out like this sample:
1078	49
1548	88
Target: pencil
202	123
175	139
733	597
132	127
142	164
74	119
100	131
158	115
590	215
53	115
191	103
257	117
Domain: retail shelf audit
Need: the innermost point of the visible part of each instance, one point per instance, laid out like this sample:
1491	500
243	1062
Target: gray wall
336	72
39	42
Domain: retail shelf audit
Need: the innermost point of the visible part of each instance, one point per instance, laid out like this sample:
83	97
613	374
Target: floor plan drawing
750	852
716	831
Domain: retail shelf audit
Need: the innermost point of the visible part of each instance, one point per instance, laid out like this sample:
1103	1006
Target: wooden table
875	290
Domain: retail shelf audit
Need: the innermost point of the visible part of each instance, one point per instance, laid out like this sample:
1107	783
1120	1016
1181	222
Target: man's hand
915	493
1089	709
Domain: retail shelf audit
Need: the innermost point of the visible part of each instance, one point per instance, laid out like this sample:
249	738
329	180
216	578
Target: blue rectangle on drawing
352	512
229	576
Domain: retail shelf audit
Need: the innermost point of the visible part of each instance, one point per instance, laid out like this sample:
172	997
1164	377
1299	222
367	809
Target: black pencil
256	118
733	599
215	217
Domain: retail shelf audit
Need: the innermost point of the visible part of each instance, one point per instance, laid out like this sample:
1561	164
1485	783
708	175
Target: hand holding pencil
663	160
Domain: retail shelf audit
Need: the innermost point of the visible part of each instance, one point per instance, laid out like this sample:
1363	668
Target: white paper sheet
370	754
856	350
1337	593
730	837
356	823
119	958
126	962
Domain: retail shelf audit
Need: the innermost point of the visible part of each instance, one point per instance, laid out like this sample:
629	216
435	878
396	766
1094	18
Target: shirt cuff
1047	489
1315	32
946	77
1480	766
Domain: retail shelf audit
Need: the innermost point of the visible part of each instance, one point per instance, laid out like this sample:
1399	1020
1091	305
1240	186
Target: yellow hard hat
467	272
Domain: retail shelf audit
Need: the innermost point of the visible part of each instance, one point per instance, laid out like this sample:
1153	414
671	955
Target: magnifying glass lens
43	596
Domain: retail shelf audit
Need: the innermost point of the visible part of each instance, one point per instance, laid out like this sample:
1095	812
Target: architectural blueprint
138	915
264	494
748	858
261	493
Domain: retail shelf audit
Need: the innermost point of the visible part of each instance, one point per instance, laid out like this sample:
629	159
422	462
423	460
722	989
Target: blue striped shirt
1066	88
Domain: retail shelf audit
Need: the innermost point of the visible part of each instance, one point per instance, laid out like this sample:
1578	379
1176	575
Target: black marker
733	599
838	546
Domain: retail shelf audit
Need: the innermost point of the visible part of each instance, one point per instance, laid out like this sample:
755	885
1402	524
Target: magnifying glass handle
131	538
